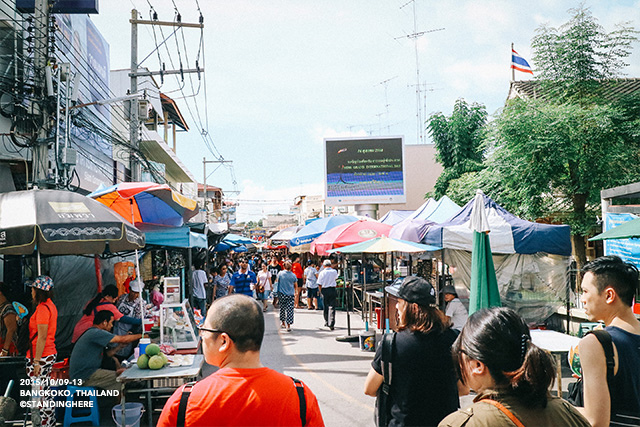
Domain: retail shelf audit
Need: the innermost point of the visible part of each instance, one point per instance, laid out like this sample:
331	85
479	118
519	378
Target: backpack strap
605	341
505	411
302	400
388	344
184	399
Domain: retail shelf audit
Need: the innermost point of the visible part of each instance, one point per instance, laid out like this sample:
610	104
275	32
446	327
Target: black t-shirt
424	385
274	270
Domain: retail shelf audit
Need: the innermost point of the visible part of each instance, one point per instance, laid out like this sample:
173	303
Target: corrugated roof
610	89
175	116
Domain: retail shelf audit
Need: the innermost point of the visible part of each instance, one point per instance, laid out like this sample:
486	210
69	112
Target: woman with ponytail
495	357
103	301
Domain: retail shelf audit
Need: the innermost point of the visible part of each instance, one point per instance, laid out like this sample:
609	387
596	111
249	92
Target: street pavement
334	371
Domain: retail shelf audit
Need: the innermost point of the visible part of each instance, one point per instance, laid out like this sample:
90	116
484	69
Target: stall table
135	374
557	344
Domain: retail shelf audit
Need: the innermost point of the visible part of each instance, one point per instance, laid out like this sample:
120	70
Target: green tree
573	59
458	141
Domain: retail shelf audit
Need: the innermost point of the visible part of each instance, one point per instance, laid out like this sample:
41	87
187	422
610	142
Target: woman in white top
264	286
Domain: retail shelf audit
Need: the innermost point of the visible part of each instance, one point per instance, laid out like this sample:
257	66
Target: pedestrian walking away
311	282
287	282
327	289
198	280
242	392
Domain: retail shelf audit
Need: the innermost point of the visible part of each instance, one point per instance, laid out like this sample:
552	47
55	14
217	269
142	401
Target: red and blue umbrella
147	203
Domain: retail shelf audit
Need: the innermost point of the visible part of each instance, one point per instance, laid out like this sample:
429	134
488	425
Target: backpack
576	389
383	399
25	340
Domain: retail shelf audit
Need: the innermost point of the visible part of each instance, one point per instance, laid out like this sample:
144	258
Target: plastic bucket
368	341
143	343
132	414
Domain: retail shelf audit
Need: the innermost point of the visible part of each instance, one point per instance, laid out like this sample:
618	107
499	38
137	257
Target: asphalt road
335	371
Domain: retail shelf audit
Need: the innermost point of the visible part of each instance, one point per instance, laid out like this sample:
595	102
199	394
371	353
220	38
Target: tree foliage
458	140
553	160
573	59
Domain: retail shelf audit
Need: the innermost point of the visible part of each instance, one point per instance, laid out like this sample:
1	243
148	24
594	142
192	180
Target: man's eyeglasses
215	331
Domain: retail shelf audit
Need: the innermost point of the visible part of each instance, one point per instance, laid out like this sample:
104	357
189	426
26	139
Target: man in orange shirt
296	268
242	392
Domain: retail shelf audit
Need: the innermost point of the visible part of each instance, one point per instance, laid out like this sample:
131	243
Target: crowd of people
436	355
273	280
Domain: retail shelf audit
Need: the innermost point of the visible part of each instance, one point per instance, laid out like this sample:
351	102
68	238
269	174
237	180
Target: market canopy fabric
175	237
348	234
236	239
384	244
286	233
393	217
316	228
62	223
509	234
624	231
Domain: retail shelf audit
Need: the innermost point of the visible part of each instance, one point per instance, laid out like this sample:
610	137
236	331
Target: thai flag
519	63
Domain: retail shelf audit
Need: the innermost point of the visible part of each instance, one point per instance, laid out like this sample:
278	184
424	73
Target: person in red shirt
242	392
42	354
296	268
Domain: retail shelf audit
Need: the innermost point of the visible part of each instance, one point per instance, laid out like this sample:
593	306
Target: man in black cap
455	310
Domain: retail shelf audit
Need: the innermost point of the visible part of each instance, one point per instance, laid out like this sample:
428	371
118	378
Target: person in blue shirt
243	280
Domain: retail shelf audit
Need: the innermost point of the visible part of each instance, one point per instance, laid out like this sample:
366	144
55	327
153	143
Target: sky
282	75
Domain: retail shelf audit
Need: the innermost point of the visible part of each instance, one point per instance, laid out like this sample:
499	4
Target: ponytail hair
108	291
499	338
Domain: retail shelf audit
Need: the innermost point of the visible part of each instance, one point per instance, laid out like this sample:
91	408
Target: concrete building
422	171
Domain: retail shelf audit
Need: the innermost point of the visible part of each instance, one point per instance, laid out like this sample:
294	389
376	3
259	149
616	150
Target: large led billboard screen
364	170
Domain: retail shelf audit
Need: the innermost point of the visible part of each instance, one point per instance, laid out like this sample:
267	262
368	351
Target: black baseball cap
414	290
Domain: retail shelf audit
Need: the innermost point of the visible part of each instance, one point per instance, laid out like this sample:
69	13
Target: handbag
383	398
576	389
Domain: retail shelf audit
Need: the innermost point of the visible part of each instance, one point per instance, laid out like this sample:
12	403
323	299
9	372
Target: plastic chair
92	416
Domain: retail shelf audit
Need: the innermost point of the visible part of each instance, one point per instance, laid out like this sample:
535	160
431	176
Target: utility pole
134	122
40	158
204	183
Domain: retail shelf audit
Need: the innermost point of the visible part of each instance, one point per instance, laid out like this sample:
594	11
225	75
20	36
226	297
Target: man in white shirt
198	279
327	288
455	309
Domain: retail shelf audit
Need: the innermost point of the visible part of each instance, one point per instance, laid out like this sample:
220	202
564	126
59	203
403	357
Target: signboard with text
627	249
364	170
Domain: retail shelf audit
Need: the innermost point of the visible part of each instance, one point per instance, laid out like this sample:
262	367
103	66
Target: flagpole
513	70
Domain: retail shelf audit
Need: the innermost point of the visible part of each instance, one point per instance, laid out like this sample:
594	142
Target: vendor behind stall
129	306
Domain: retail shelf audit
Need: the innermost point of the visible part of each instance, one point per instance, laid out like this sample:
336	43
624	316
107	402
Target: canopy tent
531	260
235	239
285	234
314	229
383	244
348	234
175	237
393	217
415	226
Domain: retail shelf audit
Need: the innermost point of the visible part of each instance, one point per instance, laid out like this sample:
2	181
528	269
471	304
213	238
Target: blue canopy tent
236	239
531	259
175	237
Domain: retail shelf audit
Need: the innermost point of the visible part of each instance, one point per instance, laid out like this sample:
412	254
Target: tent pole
38	260
138	273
